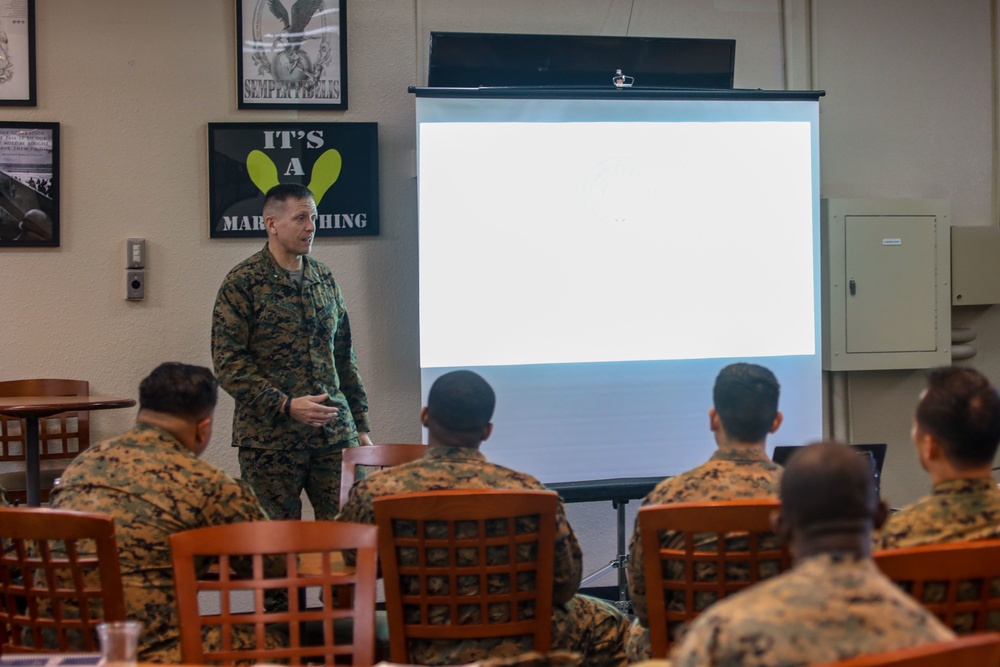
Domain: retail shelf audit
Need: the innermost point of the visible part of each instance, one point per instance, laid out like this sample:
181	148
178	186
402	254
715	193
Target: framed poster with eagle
292	54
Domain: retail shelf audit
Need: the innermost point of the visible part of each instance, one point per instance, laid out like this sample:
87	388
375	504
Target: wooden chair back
452	562
973	651
698	553
59	578
375	456
286	556
958	582
60	436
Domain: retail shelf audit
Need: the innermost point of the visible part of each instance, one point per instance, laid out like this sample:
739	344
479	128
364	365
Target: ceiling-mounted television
475	60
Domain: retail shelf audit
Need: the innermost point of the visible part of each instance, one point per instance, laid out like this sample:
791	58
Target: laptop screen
874	452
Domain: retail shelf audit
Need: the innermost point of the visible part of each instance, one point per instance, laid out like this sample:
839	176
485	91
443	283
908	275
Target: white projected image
599	241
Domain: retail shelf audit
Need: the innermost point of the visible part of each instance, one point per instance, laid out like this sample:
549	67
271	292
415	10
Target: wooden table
33	408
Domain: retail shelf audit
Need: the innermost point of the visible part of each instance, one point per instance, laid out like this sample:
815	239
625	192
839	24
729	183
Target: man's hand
364	439
311	411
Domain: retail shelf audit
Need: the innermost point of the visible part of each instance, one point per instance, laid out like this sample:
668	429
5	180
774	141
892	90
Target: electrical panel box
886	284
975	252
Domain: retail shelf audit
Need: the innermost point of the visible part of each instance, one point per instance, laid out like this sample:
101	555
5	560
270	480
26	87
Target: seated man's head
180	399
956	427
828	501
745	397
459	409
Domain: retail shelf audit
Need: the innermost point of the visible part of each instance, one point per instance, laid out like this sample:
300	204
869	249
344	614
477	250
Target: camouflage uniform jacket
733	473
272	339
959	510
828	608
153	487
462	468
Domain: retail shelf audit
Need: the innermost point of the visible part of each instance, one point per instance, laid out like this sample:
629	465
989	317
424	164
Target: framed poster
337	161
17	53
29	184
292	54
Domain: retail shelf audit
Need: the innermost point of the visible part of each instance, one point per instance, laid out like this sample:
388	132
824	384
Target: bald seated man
834	603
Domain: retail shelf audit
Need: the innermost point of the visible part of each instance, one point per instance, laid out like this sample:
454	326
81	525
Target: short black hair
746	399
282	192
179	389
962	410
827	483
461	403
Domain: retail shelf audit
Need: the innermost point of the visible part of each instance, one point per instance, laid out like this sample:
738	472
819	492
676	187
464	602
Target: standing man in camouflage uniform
281	343
745	398
458	413
834	603
956	430
153	484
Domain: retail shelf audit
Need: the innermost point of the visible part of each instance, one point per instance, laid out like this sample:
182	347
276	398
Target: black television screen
473	60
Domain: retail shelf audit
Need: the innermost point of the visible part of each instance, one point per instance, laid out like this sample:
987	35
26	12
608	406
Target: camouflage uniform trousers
593	628
279	476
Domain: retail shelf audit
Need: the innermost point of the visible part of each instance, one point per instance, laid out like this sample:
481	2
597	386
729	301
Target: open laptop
875	453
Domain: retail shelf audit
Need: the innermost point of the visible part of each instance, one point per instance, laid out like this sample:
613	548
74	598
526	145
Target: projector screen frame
576	93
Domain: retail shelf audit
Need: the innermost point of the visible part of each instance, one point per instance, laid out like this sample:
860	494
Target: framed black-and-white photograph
292	54
29	184
337	161
17	53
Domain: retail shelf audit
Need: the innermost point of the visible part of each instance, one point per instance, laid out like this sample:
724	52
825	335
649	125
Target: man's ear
714	423
423	416
777	422
782	530
202	435
488	431
881	514
269	221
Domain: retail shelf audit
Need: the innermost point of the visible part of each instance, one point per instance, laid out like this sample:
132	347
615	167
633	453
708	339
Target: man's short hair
962	410
180	390
746	400
461	402
827	483
282	192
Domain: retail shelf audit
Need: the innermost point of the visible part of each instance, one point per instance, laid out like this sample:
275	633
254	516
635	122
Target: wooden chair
473	564
61	436
959	582
713	550
376	456
59	578
972	651
292	556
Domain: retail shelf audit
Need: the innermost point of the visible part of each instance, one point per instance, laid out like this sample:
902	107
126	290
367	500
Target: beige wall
909	113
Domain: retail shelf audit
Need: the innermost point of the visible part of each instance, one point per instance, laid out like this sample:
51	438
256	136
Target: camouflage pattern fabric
273	339
830	607
732	473
961	510
593	628
153	487
278	478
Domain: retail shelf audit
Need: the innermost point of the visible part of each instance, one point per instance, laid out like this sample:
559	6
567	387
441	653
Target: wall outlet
135	285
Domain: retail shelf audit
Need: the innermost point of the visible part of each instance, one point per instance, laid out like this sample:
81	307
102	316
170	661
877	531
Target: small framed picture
17	53
29	184
292	54
337	161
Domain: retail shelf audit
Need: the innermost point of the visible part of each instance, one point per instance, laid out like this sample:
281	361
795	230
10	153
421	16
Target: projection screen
599	260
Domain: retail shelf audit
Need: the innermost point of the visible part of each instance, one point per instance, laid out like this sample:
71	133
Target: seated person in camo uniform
834	603
956	430
744	413
153	484
458	413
